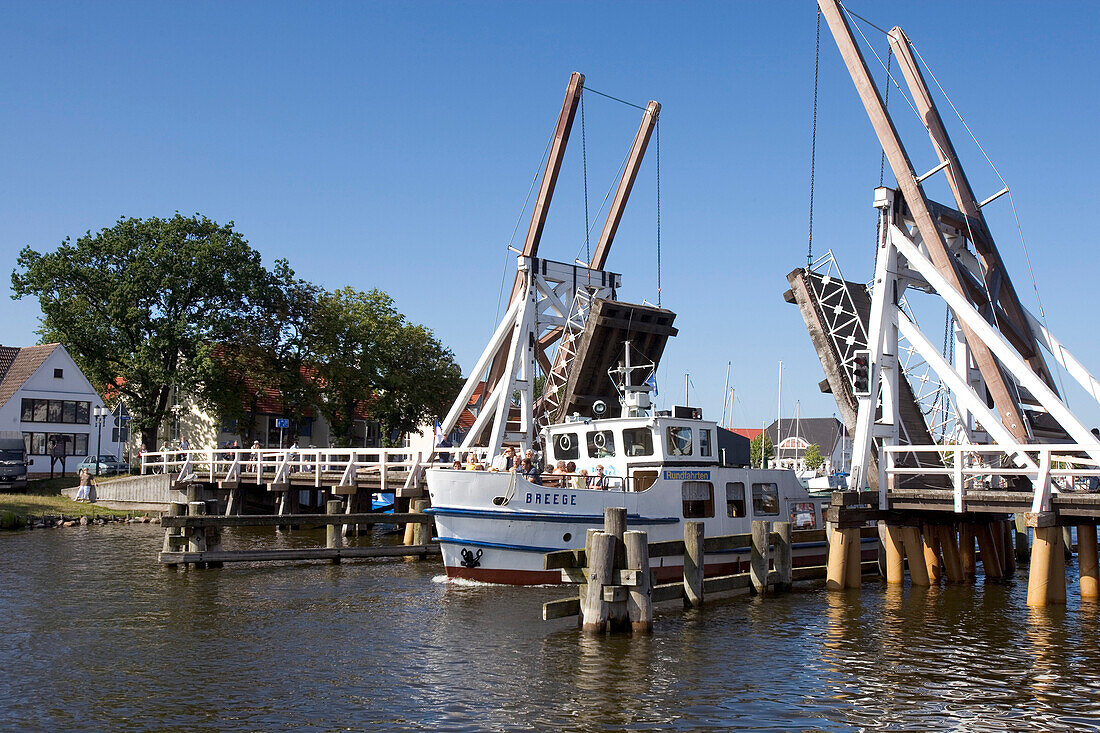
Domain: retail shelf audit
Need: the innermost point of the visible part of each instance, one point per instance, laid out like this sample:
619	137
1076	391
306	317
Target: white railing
1051	468
340	466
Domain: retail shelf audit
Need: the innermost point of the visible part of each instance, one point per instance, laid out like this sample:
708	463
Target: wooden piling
966	552
1038	577
1056	590
1087	563
1023	552
1067	543
991	561
914	551
601	561
1008	554
640	599
333	536
853	566
836	569
931	547
949	548
784	555
196	539
758	557
614	525
895	553
693	564
174	535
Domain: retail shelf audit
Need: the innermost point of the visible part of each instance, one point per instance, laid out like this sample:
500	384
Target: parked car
107	465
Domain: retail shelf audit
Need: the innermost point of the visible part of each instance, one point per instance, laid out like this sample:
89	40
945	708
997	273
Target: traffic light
861	373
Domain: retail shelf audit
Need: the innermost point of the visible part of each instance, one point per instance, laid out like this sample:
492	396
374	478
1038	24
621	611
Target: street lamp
101	414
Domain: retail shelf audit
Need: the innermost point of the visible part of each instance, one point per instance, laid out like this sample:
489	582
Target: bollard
693	564
758	562
333	536
784	556
601	567
640	599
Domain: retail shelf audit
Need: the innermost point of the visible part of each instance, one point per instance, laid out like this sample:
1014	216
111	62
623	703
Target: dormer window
58	373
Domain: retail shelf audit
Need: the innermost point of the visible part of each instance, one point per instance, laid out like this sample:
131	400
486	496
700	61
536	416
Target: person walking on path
57	454
86	492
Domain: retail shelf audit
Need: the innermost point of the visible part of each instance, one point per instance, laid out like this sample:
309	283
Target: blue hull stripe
545	517
530	548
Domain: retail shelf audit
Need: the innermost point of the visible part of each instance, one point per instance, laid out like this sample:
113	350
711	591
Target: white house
45	396
792	436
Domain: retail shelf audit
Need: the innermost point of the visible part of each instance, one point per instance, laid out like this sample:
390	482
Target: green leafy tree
141	305
754	450
370	359
271	350
813	458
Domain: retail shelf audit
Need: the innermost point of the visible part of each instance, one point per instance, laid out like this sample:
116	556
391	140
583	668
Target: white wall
71	386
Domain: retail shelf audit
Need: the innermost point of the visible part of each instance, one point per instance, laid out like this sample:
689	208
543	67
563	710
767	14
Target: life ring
565	441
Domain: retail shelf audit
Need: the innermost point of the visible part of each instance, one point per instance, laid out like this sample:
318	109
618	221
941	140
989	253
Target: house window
735	499
678	440
566	446
698	499
601	444
58	373
40	444
765	499
56	411
638	442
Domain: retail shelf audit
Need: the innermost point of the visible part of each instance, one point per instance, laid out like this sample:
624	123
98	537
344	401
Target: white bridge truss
903	263
554	302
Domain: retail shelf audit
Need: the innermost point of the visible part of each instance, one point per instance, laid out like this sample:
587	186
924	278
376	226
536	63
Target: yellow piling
838	559
853	575
895	556
1087	562
1038	577
914	551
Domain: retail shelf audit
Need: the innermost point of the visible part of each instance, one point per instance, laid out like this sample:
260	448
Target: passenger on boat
471	462
598	480
575	480
529	472
535	462
503	462
457	465
559	478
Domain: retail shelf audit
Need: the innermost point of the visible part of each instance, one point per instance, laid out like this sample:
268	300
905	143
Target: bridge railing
1047	468
276	465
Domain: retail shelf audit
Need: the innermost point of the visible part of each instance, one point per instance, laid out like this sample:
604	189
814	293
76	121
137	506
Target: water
94	635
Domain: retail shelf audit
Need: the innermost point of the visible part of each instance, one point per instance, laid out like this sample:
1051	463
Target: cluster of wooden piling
193	530
1046	582
617	590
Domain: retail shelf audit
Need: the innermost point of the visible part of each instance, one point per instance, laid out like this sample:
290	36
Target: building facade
45	397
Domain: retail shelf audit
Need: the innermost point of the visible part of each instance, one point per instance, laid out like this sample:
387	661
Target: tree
754	450
371	360
813	458
142	305
271	350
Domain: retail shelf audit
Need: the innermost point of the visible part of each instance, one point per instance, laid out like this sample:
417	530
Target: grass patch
44	497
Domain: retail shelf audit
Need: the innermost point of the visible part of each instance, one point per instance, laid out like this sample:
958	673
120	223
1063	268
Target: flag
440	436
652	382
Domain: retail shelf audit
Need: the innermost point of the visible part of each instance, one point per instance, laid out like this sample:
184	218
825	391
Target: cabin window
678	440
698	499
601	444
567	447
638	442
735	499
704	442
765	499
644	479
803	516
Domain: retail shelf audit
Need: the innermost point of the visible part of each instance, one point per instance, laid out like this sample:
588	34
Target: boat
664	467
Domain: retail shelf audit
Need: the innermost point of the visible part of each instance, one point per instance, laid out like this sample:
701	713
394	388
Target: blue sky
392	145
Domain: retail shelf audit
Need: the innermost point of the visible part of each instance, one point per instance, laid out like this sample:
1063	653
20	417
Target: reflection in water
94	635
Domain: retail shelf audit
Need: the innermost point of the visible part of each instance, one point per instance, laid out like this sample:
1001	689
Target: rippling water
94	635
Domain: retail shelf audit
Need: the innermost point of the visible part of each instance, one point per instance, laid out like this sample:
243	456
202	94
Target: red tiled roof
749	433
22	365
